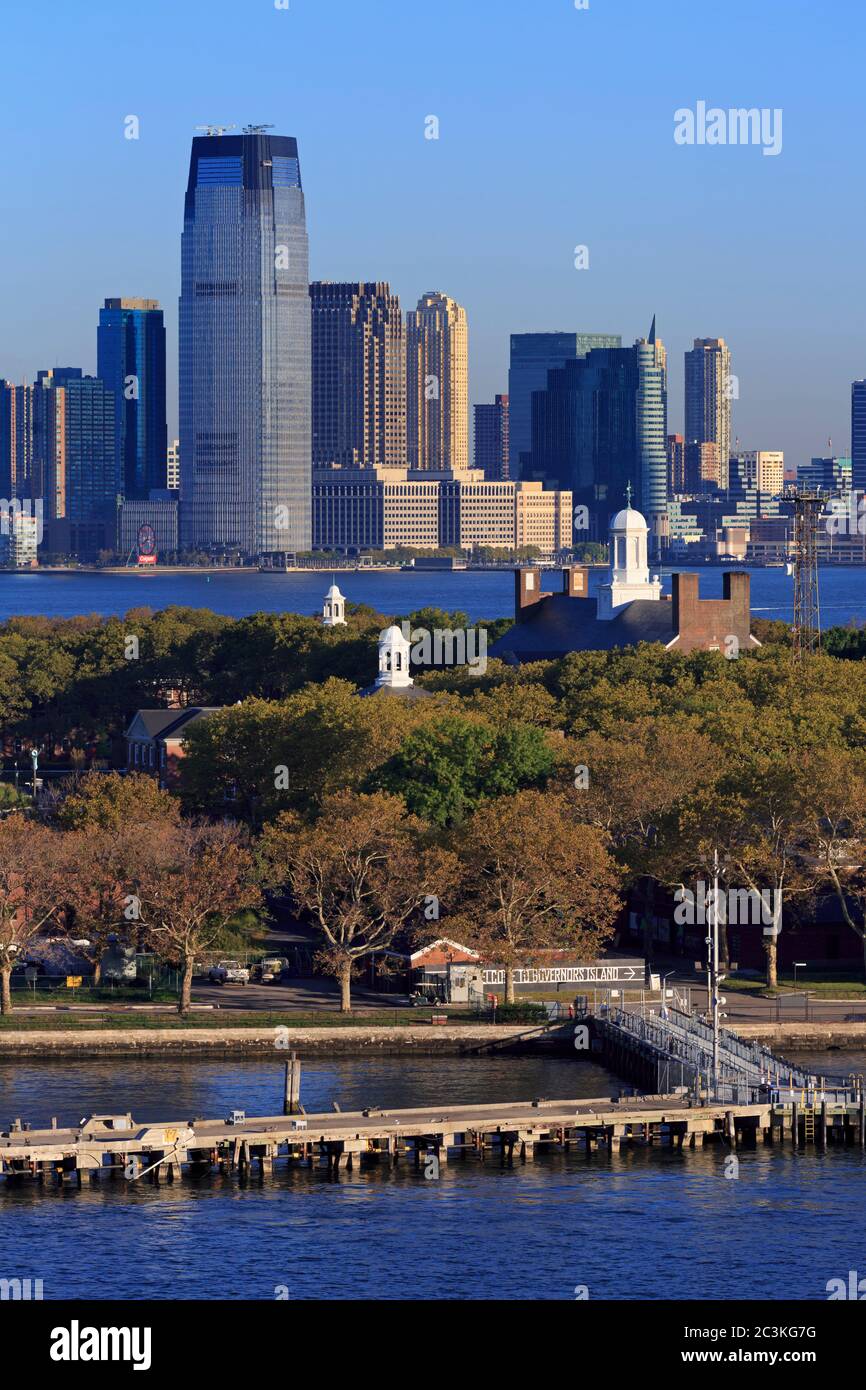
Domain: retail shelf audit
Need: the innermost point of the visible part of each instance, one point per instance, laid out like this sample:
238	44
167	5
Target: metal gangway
682	1045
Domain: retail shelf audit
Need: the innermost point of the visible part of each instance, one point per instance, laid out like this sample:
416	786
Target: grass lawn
822	986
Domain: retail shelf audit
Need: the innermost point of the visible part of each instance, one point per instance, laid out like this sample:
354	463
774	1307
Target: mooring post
292	1092
794	1124
823	1126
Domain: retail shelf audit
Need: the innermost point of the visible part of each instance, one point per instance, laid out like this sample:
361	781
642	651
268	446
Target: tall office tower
491	439
760	468
437	384
245	448
533	355
130	359
858	436
172	470
676	453
599	430
708	398
74	445
359	374
16	441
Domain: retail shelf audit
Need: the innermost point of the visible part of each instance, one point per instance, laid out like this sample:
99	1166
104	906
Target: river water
646	1224
480	594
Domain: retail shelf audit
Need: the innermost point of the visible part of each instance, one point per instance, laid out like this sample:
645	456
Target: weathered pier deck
111	1145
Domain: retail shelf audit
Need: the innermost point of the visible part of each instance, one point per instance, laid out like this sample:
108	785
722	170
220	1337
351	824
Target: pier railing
682	1046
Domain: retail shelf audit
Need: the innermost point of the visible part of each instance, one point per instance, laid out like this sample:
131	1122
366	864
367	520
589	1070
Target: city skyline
703	275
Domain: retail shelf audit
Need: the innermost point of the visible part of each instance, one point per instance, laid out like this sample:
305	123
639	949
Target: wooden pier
114	1145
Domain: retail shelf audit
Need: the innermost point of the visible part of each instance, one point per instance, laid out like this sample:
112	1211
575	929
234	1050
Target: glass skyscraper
130	356
599	429
533	355
245	441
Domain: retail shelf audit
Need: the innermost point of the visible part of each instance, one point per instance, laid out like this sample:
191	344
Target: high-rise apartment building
437	384
245	393
491	438
172	466
676	453
708	392
358	374
16	441
858	435
75	462
533	355
703	467
130	359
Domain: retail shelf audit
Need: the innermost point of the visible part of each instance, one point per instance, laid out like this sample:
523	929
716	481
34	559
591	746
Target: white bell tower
393	660
334	608
629	568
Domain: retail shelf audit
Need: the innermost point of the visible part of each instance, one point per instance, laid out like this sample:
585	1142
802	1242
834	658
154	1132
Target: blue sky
556	129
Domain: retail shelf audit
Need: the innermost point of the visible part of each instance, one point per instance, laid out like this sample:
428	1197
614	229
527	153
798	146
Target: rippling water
651	1224
481	594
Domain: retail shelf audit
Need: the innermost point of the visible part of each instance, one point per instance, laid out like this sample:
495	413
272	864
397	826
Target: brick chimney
527	589
685	599
575	581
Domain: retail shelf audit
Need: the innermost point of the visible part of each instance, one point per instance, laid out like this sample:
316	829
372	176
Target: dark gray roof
402	692
162	723
559	624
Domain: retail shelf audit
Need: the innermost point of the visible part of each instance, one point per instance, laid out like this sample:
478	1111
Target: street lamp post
34	755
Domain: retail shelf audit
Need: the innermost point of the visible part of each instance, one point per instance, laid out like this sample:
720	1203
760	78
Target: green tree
444	769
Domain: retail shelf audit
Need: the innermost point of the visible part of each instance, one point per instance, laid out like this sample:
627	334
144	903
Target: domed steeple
629	569
334	608
393	660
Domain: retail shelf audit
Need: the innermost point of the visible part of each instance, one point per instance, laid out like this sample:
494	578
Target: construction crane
806	631
215	129
256	129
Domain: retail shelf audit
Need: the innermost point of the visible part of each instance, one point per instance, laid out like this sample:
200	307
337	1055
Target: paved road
310	995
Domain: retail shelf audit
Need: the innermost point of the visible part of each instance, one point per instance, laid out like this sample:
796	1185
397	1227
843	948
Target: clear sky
556	129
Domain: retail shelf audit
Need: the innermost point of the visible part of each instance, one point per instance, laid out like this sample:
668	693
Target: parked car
272	968
229	972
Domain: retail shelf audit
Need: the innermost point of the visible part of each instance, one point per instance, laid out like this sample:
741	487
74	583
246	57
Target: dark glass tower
599	430
245	444
130	356
533	355
858	435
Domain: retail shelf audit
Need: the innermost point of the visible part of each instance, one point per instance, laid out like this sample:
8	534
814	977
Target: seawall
420	1039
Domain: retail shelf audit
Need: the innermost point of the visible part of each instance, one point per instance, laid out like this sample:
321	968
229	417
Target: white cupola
629	568
334	608
393	660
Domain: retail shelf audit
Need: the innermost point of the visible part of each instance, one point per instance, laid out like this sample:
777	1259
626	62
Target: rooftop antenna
256	129
215	129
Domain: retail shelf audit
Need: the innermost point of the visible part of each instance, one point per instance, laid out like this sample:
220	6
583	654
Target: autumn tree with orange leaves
30	895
